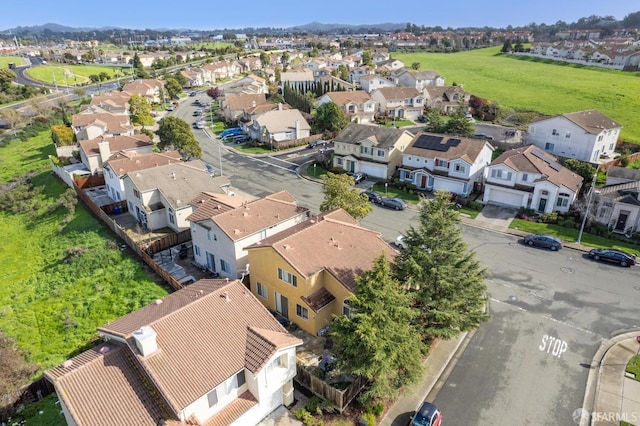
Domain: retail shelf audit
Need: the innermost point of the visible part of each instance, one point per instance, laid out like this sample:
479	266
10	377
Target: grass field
547	87
74	74
6	60
60	282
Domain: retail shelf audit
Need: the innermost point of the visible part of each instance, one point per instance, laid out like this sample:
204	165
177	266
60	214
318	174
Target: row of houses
618	53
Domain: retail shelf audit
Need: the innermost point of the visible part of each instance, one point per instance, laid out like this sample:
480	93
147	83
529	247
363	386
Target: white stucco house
369	83
419	79
586	135
528	177
94	152
617	204
209	354
357	105
279	125
399	102
222	226
435	162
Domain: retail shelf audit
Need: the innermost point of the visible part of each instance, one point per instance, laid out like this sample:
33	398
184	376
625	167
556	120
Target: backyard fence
322	389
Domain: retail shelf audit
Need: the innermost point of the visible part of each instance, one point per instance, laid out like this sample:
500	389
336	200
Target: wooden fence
339	398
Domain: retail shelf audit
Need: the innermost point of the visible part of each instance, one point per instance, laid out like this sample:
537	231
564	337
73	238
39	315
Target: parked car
171	107
192	94
373	196
400	242
314	144
197	112
423	119
613	255
200	124
543	240
393	203
427	415
358	176
232	131
483	136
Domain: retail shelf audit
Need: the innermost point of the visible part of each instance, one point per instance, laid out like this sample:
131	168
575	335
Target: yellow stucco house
306	273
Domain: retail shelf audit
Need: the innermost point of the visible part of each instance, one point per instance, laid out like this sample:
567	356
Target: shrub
477	206
369	419
549	217
62	135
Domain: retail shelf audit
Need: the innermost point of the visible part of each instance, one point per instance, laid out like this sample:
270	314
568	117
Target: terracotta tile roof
382	137
202	336
113	123
118	99
116	143
105	380
398	93
242	101
125	162
331	241
262	344
142	86
233	411
208	205
318	299
259	214
534	160
343	98
449	147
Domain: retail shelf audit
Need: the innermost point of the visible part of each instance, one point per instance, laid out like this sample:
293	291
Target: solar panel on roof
435	143
555	166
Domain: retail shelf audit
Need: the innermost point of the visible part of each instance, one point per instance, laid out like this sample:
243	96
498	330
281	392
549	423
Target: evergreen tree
339	193
140	111
459	124
138	67
330	118
444	277
377	340
435	123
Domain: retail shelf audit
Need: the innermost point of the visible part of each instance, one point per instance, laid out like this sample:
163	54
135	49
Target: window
380	153
600	138
499	174
212	397
554	132
563	200
196	249
287	277
240	379
262	291
224	265
549	146
525	177
136	193
347	310
263	234
460	168
208	235
172	219
302	312
442	163
567	135
611	147
339	161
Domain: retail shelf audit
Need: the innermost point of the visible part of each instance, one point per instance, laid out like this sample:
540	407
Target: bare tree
12	117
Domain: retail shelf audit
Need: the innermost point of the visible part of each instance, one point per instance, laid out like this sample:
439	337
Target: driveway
497	218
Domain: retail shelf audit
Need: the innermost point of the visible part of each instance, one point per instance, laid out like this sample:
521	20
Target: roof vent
226	294
158	302
68	363
105	349
145	339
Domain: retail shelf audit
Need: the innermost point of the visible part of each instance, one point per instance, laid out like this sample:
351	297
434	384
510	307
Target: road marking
553	345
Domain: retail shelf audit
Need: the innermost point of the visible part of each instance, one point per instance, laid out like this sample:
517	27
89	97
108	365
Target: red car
427	415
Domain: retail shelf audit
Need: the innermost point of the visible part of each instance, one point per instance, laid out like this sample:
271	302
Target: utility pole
586	213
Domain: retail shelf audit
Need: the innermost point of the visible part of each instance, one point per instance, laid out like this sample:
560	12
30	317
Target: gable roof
207	205
116	143
592	121
253	216
332	241
111	122
281	120
142	86
393	93
126	162
243	101
422	74
118	99
444	92
195	354
382	137
531	159
433	145
343	98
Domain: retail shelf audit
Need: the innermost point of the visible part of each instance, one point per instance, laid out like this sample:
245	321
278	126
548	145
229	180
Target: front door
423	181
542	205
211	262
621	224
282	305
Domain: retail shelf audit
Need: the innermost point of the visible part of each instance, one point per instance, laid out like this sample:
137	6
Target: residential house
373	150
159	197
220	71
93	125
207	354
297	78
249	64
530	178
435	162
249	84
447	98
388	66
618	202
123	162
94	152
369	83
149	88
357	105
234	106
112	102
585	135
419	79
223	226
308	272
279	125
195	77
399	102
357	73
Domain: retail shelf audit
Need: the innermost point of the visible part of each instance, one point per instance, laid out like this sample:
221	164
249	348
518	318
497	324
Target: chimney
297	134
105	151
146	340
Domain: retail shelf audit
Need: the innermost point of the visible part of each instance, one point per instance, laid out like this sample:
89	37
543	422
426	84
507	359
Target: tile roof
592	121
180	182
343	98
282	120
112	122
233	411
382	137
116	143
126	162
207	205
118	99
332	241
256	215
242	101
534	160
319	299
467	149
206	333
395	93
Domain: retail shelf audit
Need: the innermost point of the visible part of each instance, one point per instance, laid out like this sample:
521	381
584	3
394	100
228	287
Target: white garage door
499	196
375	171
448	185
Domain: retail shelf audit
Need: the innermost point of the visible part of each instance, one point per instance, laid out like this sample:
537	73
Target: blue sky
210	15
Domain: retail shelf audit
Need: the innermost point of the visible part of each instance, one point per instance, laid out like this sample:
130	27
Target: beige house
399	102
356	104
113	102
279	125
447	98
94	152
238	105
148	88
93	125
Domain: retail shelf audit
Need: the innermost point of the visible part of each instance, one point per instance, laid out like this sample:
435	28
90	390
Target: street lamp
386	184
586	213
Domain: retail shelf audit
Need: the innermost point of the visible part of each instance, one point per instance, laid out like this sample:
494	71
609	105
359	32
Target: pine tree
444	277
377	340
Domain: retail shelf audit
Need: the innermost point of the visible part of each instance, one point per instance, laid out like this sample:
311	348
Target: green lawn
547	87
74	74
61	281
6	60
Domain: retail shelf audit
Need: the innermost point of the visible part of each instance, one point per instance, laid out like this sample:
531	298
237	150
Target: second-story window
287	277
442	163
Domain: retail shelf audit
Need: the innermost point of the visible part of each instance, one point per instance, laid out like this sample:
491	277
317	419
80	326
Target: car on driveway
614	256
232	131
427	415
373	196
544	241
393	203
357	176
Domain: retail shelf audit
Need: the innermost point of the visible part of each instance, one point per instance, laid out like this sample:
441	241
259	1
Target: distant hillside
54	28
317	27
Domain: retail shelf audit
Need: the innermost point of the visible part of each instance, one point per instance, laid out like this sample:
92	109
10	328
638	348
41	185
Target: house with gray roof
370	149
419	78
279	125
585	135
617	204
209	354
399	102
160	197
357	105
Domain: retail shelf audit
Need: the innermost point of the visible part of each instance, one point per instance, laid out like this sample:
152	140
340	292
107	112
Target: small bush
369	418
549	217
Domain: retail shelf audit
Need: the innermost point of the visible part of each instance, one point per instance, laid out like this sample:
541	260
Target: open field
547	87
6	60
61	280
74	74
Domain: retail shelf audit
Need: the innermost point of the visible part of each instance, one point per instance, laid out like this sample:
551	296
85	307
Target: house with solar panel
209	354
584	135
435	162
531	178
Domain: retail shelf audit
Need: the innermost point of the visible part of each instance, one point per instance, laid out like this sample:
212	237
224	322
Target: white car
200	125
400	242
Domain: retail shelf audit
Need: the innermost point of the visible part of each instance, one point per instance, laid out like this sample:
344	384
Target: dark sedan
393	203
544	241
614	256
373	196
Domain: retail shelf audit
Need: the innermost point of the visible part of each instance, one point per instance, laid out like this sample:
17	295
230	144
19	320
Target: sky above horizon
140	14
